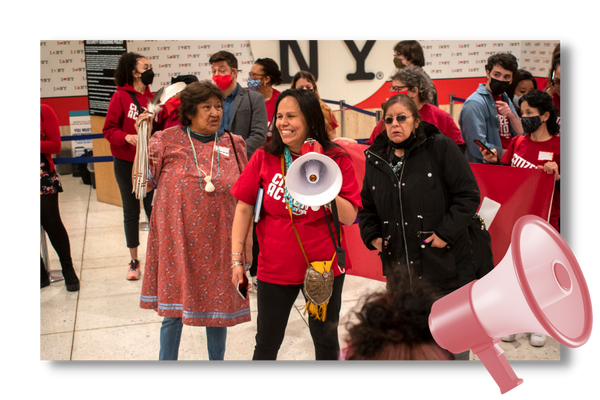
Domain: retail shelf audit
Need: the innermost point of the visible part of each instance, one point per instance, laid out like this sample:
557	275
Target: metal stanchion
452	105
342	124
378	115
54	275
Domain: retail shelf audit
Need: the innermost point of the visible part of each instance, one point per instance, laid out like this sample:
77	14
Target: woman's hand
237	276
551	168
489	157
145	116
436	241
377	243
131	139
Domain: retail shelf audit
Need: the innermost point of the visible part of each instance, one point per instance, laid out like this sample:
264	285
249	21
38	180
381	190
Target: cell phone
482	146
243	290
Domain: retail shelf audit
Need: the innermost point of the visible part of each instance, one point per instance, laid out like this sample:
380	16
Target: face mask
147	77
498	87
516	100
253	84
222	81
398	63
531	124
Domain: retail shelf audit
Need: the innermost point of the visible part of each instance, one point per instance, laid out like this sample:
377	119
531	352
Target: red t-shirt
504	131
281	260
530	154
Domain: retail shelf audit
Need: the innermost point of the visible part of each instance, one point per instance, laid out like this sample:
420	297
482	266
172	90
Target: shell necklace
209	187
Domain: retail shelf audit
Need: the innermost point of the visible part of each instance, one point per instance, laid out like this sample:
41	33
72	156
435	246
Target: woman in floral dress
187	277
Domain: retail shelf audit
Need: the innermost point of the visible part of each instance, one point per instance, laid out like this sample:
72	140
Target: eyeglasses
255	76
399	118
398	89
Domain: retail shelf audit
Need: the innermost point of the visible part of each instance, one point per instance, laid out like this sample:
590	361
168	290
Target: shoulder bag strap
234	150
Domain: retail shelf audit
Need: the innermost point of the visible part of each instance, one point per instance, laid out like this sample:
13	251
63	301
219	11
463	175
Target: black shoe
71	280
45	280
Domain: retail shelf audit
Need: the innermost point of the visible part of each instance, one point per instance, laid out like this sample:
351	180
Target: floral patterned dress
49	182
188	256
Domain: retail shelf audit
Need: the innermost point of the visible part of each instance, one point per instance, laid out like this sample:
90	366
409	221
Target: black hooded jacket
436	192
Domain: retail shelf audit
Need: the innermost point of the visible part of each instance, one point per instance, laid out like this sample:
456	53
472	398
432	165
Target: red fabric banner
514	192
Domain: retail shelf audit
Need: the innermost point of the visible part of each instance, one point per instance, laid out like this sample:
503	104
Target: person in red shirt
169	115
413	82
539	148
133	78
281	263
263	75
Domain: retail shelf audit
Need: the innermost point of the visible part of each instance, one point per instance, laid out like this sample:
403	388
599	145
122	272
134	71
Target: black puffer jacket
437	192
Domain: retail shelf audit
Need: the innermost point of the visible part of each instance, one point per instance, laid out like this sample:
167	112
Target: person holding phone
187	278
539	148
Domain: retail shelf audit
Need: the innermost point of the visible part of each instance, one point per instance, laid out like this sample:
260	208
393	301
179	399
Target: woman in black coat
419	196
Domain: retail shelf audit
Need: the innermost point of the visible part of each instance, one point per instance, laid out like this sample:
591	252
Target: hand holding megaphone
313	179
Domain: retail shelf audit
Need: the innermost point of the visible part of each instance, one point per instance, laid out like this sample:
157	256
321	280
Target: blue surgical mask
253	84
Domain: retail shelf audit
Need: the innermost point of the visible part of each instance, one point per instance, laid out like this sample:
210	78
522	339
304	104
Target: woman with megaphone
297	248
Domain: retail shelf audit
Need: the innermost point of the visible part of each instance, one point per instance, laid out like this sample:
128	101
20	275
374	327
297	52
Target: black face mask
498	87
531	124
147	77
405	143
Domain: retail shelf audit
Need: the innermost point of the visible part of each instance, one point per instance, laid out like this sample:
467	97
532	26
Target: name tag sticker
224	151
545	156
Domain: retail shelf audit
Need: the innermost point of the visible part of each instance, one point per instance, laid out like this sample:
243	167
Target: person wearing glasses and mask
488	115
418	198
413	82
244	111
263	75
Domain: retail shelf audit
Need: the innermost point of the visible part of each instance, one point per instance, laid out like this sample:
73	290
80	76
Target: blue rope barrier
457	99
81	137
82	160
372	114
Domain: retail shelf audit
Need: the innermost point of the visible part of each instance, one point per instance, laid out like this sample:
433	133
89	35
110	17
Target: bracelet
236	254
235	264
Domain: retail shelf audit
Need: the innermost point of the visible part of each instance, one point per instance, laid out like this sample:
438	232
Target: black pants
131	205
255	251
274	305
55	229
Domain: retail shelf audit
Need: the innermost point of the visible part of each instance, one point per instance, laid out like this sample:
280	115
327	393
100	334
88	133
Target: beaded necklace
209	187
293	204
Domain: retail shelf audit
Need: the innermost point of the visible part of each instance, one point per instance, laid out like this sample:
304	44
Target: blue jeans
170	336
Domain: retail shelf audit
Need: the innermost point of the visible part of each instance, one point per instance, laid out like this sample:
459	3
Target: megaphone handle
496	364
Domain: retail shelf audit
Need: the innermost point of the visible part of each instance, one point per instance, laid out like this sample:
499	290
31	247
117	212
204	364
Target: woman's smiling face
291	123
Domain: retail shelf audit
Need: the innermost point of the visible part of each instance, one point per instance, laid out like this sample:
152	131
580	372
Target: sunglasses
399	118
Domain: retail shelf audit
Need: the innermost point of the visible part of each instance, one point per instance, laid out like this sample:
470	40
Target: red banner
507	194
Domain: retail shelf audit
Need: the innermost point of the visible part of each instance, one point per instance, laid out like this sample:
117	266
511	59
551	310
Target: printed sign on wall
62	68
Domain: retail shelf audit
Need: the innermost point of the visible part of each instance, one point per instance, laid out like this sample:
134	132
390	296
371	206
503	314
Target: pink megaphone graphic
537	287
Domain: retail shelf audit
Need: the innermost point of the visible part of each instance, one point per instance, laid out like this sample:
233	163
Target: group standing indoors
187	279
283	257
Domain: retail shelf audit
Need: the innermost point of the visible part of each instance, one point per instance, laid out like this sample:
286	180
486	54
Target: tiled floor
103	321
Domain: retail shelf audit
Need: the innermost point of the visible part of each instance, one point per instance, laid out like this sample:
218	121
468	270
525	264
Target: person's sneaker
134	270
509	338
537	339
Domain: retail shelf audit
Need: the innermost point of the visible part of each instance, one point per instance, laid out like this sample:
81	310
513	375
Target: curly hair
395	326
505	60
125	67
271	70
414	77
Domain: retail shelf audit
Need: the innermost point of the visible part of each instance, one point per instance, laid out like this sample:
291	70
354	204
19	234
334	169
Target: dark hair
405	101
309	77
194	94
125	67
271	70
555	63
187	79
412	51
505	60
542	101
414	77
395	326
224	56
310	107
520	75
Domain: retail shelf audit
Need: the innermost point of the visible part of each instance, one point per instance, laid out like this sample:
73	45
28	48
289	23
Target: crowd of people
223	223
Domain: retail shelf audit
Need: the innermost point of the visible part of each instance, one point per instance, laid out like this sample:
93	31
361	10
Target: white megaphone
537	287
313	179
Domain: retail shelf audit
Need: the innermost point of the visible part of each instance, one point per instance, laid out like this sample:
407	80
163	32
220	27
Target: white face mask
516	100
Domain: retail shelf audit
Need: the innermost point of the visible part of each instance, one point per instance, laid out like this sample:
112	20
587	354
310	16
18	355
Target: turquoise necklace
293	204
209	187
